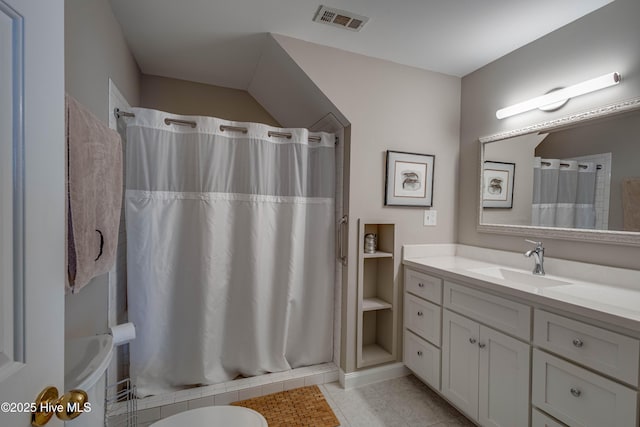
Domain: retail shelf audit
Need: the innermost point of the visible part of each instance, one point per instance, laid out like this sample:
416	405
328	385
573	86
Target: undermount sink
621	298
520	277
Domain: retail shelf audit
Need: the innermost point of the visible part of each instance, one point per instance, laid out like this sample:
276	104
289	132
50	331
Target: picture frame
498	184
409	179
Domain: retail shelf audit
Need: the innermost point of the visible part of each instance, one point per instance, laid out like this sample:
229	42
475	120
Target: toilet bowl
85	363
214	416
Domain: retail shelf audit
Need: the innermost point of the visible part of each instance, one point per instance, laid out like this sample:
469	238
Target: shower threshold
156	407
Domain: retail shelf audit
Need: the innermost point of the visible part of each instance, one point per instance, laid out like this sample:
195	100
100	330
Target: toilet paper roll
123	333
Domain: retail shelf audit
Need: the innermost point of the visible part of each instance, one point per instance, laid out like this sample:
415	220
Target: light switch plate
430	217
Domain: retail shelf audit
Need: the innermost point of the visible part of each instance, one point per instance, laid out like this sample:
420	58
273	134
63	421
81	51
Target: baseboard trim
372	375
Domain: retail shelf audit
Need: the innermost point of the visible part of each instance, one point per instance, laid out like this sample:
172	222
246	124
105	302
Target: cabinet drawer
422	358
422	318
508	316
540	419
605	351
578	397
423	285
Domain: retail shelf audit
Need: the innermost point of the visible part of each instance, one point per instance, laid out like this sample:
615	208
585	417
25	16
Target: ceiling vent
340	18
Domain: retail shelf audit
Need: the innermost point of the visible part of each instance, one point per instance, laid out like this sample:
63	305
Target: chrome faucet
538	256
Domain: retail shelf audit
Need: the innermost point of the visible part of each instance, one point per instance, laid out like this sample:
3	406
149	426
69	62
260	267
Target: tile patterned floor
401	402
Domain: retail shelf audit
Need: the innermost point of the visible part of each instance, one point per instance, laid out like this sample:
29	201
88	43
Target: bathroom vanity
508	348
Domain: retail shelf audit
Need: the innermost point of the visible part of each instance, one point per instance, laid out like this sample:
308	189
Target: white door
32	201
460	362
504	380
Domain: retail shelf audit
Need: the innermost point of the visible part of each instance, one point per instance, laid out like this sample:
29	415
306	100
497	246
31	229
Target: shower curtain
564	193
230	250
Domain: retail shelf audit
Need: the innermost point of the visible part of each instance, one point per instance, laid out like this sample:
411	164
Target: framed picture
497	184
409	179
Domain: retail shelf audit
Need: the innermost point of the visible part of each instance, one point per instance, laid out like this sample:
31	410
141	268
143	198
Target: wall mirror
576	177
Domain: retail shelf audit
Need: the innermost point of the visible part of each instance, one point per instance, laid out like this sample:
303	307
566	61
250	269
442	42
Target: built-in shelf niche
377	296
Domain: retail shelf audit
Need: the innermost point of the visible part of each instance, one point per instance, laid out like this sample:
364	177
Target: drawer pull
420	353
575	392
482	345
421	285
472	340
419	313
577	342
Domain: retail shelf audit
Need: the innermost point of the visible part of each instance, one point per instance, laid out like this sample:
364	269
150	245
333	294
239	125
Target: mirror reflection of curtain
564	193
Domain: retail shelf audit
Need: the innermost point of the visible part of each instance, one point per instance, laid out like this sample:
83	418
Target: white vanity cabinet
509	349
460	364
485	372
573	394
540	419
605	351
510	361
422	325
579	397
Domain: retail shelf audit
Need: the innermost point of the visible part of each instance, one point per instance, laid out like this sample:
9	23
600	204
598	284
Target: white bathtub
85	363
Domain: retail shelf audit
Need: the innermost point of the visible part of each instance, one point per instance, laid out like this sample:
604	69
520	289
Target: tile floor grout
401	402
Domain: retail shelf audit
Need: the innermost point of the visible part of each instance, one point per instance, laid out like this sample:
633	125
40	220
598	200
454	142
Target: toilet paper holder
123	333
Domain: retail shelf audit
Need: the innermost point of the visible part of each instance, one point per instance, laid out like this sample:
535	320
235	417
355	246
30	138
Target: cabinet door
503	380
460	362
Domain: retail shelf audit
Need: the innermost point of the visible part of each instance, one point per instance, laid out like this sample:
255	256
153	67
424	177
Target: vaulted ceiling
220	42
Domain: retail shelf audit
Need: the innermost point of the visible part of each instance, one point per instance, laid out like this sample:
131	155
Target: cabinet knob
421	285
420	353
419	313
482	345
575	392
472	340
577	342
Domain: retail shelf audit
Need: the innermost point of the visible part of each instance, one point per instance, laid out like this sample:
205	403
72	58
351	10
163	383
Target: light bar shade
560	95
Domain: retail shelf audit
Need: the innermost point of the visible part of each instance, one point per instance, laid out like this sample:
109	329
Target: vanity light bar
560	95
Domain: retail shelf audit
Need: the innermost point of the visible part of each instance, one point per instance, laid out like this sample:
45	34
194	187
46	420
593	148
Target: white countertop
606	294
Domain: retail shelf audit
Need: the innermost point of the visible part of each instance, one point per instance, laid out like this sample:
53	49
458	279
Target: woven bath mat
305	406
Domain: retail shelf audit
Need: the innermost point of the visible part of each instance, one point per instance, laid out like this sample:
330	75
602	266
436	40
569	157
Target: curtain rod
168	121
566	165
119	113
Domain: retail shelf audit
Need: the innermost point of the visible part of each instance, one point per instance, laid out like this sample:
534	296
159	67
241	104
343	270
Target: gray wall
601	42
390	107
184	97
95	50
287	92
